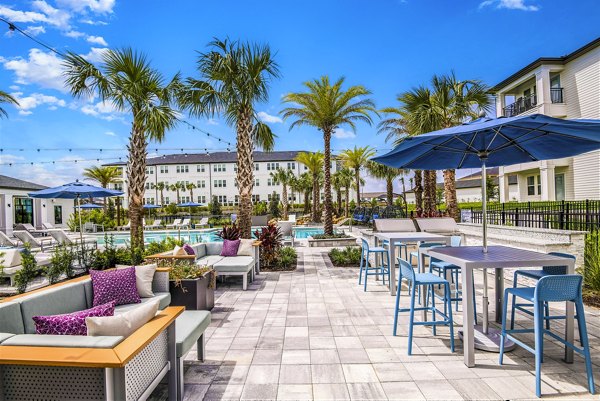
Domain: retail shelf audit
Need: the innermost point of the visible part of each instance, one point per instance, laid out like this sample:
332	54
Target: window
58	214
235	182
305	168
531	185
222	199
164	169
291	166
149	201
201	198
220	184
23	210
150	170
147	186
118	186
201	184
200	168
256	166
256	198
256	182
276	195
272	182
555	81
236	200
183	169
539	185
272	166
219	168
167	200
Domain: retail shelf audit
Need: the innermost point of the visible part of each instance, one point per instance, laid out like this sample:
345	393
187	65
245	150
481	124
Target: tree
234	77
274	205
346	178
304	184
190	187
283	177
389	174
177	187
6	98
215	206
337	186
314	163
103	175
446	103
161	186
356	159
327	106
126	81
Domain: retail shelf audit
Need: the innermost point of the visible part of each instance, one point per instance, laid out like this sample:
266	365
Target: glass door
559	187
23	210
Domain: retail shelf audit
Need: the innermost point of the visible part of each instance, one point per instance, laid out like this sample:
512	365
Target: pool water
305	232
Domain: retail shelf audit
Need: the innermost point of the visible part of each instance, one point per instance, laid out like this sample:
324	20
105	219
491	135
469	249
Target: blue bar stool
416	280
553	288
383	269
424	245
400	245
537	274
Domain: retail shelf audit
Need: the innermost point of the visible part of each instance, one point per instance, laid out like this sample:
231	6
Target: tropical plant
271	240
190	187
286	257
337	186
314	163
215	207
285	178
260	209
446	103
178	186
127	82
161	186
345	178
349	256
274	205
29	270
387	173
104	175
304	185
6	98
231	232
61	262
326	106
234	77
356	159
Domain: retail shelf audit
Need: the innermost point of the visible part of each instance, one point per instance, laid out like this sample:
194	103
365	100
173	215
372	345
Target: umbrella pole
80	224
484	224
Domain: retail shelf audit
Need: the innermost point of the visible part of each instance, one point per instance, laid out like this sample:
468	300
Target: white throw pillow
179	251
143	278
123	324
246	248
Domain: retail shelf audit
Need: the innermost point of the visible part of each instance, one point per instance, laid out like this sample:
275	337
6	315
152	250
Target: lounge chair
48	226
340	223
292	218
6	241
287	234
175	224
203	222
185	224
36	242
125	227
28	227
63	238
157	224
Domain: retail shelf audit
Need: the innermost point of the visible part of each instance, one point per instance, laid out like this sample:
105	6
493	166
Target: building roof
376	194
216	157
473	183
15	183
491	172
546	60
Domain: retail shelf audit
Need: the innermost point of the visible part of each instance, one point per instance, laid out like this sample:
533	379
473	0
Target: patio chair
125	227
36	242
65	239
88	227
428	280
175	224
554	288
388	225
287	234
292	218
383	269
5	240
157	224
48	226
185	223
204	222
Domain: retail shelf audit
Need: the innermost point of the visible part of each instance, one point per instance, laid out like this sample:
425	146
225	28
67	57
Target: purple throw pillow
115	285
71	323
188	249
230	248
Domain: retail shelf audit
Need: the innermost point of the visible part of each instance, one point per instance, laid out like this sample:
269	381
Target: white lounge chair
203	222
125	227
28	227
63	238
157	224
175	223
36	242
185	224
292	218
6	241
287	233
48	226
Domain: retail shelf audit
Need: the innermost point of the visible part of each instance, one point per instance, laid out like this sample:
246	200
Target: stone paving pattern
314	334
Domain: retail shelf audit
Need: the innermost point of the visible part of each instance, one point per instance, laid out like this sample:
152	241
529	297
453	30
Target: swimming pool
305	232
193	236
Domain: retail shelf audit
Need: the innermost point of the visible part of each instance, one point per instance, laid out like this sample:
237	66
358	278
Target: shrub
215	207
270	237
274	206
286	257
333	236
591	270
61	263
349	256
28	272
260	209
231	232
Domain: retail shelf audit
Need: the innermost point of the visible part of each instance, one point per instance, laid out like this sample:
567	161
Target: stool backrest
455	240
406	270
564	287
431	245
365	245
557	269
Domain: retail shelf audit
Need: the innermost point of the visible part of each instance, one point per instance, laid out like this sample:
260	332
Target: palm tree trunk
433	180
347	202
245	175
307	202
419	192
357	177
390	191
339	201
136	172
328	226
450	193
285	202
162	198
314	212
427	196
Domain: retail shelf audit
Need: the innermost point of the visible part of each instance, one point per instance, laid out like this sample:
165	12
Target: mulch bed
591	298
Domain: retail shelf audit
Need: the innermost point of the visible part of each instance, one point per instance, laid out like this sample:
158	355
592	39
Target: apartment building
562	87
214	174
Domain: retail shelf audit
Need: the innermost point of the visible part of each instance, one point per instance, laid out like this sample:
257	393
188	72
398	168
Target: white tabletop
497	257
414	236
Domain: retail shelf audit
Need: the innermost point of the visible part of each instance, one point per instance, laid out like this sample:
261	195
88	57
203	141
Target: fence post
561	216
517	217
503	215
587	213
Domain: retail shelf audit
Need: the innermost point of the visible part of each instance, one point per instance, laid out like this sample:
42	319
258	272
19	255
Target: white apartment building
214	174
562	87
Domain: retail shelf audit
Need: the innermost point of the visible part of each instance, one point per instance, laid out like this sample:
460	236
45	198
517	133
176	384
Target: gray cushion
47	340
163	297
64	299
89	293
11	320
213	248
199	250
208	260
189	326
234	264
4	336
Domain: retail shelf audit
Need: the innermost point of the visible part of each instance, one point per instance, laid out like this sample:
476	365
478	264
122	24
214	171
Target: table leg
468	321
392	252
499	287
569	323
421	267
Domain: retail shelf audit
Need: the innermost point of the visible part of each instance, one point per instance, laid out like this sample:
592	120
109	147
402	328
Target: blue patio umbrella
150	206
495	142
90	206
75	190
190	204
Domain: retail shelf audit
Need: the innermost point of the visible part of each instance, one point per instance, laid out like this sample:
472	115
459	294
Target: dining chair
383	269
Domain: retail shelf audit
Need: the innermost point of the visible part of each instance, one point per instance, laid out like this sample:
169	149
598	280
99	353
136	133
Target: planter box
333	242
194	294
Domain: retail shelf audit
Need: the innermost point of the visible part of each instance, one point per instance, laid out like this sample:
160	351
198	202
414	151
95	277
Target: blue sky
387	45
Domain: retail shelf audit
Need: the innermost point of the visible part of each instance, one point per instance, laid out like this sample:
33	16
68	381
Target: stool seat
377	249
526	293
534	274
443	265
429	278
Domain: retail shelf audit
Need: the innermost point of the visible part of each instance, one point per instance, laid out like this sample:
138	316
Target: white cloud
21	16
44	69
98	40
28	103
74	34
35	30
47	174
104	110
95	54
95	6
54	16
110	133
212	121
509	4
14	87
92	22
268	118
341	133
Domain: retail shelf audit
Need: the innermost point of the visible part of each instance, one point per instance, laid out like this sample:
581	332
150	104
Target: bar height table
406	237
498	258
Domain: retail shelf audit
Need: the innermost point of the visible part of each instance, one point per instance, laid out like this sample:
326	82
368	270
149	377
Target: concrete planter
333	242
194	294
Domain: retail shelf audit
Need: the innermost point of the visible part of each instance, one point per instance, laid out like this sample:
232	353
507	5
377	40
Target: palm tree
303	184
190	187
161	186
337	186
446	103
356	159
6	98
346	178
314	163
389	174
283	177
126	80
103	175
177	187
235	76
327	106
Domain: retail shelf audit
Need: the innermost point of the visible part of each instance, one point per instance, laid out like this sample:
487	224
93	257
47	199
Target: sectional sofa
64	367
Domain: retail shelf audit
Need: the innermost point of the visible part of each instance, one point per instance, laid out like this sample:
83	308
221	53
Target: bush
333	236
274	209
349	256
215	207
61	263
231	232
271	239
28	272
286	257
591	270
260	209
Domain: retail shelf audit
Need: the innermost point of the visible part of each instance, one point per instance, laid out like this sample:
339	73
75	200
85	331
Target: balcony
556	95
521	105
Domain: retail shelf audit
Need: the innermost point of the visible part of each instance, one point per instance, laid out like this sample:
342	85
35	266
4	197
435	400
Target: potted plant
192	286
